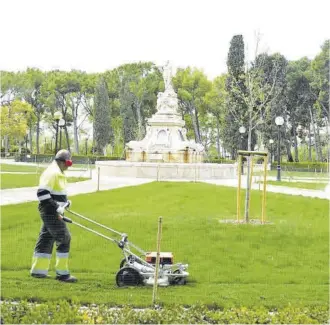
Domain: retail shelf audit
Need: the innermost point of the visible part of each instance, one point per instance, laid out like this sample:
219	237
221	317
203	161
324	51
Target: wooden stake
159	235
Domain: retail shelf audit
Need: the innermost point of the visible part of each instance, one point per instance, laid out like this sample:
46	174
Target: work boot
66	278
40	276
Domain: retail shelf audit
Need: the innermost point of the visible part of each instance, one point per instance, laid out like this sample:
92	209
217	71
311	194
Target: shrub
77	159
303	166
63	312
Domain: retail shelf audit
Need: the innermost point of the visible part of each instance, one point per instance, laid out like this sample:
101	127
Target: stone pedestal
166	171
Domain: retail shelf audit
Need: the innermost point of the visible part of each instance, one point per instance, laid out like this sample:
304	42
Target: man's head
63	159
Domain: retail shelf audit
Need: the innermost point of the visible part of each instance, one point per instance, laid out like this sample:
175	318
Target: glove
60	210
68	203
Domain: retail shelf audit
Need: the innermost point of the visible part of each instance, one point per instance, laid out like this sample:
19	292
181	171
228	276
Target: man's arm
45	198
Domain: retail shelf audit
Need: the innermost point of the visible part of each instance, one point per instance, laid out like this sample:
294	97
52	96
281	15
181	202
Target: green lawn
27	168
27	180
306	185
230	265
20	168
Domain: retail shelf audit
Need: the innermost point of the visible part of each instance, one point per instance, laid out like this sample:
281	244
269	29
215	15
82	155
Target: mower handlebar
67	219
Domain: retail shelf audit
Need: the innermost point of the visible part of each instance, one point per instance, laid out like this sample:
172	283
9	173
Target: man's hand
60	210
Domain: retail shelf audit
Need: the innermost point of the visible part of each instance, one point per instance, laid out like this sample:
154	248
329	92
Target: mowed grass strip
305	185
296	175
230	265
27	180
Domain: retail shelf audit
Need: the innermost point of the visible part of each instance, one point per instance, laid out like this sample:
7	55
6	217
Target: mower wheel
127	277
178	280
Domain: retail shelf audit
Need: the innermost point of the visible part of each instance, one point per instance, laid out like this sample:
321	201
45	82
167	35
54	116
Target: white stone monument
165	139
165	152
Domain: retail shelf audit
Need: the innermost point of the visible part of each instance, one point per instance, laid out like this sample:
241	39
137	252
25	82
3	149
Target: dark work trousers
53	230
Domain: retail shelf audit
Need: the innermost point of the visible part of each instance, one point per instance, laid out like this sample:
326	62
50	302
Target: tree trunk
315	136
218	137
139	120
67	138
75	136
197	138
328	142
249	160
318	141
30	139
74	108
309	143
6	145
232	154
38	134
296	153
288	150
197	125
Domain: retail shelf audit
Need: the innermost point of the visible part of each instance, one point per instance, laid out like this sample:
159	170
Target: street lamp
242	130
279	120
271	141
61	124
57	117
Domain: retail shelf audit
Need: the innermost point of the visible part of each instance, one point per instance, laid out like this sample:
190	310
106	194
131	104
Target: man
52	198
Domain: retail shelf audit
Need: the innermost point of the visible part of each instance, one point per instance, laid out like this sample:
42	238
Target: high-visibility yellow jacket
52	187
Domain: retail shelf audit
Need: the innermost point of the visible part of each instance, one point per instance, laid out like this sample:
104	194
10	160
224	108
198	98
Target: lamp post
57	117
242	130
271	141
279	120
61	125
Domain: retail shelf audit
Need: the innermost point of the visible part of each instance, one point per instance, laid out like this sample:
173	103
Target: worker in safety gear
52	197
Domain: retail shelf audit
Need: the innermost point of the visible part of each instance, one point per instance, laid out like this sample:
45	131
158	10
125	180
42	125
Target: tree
252	94
298	100
276	78
10	86
57	87
79	99
135	87
31	82
236	108
318	76
215	100
14	120
102	123
192	85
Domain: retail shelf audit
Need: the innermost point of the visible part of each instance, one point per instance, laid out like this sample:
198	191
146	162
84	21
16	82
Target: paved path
298	179
28	194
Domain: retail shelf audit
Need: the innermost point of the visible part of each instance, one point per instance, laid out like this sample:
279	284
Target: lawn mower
139	268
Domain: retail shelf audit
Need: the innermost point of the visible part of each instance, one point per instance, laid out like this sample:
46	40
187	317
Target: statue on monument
167	75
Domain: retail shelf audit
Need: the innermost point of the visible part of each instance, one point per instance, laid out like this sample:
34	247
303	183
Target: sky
99	35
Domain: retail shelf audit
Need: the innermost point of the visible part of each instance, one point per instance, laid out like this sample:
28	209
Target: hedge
91	159
63	312
75	159
303	166
219	161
